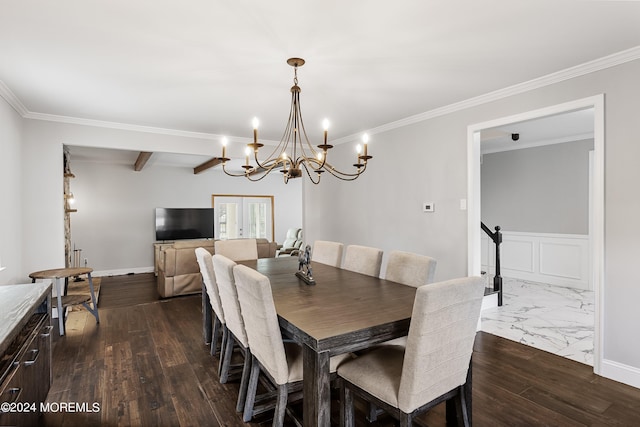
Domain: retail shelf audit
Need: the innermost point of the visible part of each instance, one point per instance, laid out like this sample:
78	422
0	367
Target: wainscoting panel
557	259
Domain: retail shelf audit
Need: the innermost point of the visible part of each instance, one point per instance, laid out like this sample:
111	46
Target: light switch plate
428	207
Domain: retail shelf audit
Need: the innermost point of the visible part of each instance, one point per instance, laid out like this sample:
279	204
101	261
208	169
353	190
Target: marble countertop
16	302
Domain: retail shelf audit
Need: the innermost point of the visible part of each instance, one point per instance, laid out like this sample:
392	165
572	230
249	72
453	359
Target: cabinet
25	366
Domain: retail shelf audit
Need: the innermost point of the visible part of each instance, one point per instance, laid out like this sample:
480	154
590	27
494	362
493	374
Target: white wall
10	192
115	227
427	162
540	190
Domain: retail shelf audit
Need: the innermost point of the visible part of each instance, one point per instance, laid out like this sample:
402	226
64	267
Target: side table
64	301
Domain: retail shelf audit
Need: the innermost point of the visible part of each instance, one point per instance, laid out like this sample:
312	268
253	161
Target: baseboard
619	372
122	271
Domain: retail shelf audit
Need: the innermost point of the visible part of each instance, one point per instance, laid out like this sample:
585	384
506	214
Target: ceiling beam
207	165
142	159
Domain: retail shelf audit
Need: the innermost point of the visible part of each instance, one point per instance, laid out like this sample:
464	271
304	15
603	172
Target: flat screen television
184	223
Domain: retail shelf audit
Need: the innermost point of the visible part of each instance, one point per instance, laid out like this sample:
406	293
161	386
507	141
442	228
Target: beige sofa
178	270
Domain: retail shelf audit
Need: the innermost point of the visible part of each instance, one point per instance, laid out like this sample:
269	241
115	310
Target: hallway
551	318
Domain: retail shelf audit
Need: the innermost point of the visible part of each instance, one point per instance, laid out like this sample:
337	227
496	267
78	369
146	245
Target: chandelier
294	154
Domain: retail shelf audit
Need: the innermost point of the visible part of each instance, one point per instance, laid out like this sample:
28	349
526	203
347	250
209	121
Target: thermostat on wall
427	207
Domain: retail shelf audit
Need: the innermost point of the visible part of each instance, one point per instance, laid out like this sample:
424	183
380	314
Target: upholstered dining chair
435	365
235	331
325	252
363	259
410	269
281	363
237	249
210	288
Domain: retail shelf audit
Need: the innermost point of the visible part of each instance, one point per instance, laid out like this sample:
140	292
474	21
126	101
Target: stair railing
496	237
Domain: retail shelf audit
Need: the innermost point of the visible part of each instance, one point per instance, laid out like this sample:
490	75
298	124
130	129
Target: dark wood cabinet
25	369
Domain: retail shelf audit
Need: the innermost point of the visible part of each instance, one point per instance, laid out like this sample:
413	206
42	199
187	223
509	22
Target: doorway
243	216
596	255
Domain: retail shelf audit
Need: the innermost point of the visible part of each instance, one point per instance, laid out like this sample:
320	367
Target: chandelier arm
224	169
306	169
344	175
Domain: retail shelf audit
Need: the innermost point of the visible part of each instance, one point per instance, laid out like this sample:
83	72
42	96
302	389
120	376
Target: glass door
238	216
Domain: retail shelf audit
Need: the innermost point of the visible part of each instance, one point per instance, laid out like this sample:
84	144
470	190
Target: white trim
553	78
122	271
597	255
556	259
566	74
620	372
12	100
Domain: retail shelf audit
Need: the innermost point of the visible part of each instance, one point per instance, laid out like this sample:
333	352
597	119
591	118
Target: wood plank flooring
145	364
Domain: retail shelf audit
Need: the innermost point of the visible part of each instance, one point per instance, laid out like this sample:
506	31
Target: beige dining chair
281	363
237	249
410	269
235	330
211	289
326	252
363	259
435	364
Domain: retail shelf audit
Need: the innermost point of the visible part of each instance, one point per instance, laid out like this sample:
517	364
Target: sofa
178	270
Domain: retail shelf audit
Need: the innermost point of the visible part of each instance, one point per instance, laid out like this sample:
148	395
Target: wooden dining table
343	312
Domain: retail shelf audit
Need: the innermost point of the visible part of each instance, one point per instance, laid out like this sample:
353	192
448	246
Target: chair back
329	253
261	321
410	269
440	341
206	269
223	268
293	239
237	249
363	259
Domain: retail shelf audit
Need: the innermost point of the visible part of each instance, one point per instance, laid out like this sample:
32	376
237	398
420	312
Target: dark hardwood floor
145	364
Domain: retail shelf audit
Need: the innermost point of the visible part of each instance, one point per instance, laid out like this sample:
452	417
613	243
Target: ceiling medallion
294	153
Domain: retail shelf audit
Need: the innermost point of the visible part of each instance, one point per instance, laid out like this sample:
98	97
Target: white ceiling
210	66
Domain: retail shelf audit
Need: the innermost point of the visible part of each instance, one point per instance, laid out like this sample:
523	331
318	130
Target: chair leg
346	406
206	315
226	359
252	389
215	335
464	413
406	420
244	382
223	345
281	406
372	416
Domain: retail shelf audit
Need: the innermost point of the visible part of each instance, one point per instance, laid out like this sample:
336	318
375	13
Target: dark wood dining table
343	312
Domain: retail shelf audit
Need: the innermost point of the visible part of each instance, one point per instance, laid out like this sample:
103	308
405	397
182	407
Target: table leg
93	311
59	291
316	388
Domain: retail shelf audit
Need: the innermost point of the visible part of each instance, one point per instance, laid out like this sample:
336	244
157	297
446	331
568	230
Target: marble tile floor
552	318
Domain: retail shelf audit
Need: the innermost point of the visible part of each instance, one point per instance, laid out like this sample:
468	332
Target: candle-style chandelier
294	153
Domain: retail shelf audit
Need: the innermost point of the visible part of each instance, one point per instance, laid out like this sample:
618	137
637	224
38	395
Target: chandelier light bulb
319	156
358	149
365	138
255	122
224	147
325	124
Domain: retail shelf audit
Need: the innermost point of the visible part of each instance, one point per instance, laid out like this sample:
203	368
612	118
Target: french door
238	216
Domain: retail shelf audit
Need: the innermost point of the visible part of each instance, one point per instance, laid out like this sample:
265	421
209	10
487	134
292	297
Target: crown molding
12	100
560	76
557	77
